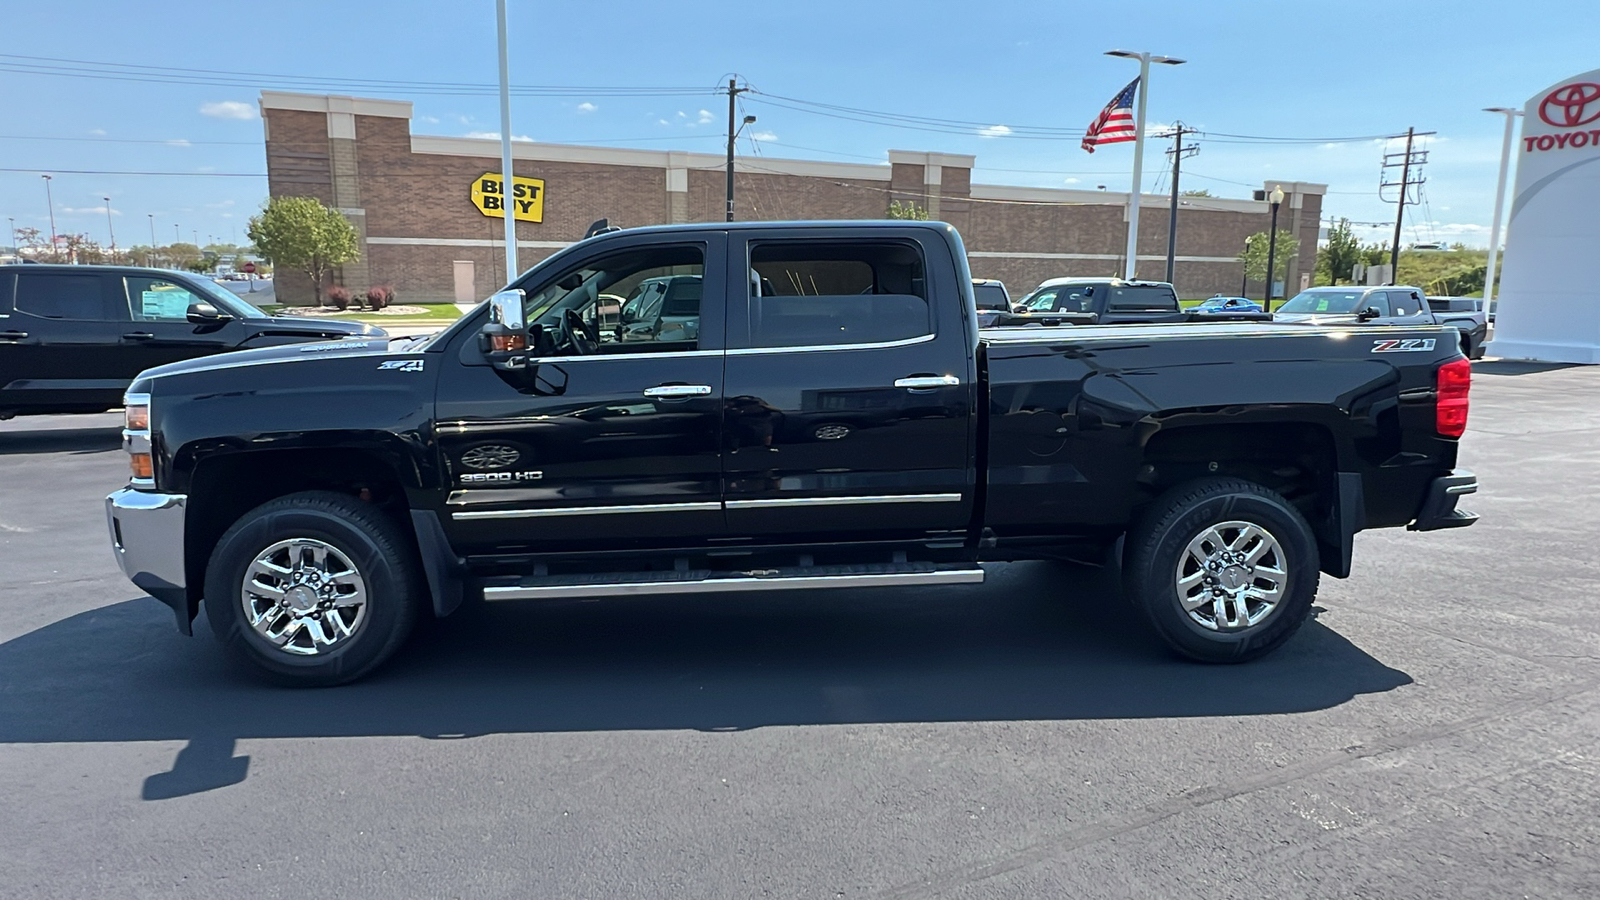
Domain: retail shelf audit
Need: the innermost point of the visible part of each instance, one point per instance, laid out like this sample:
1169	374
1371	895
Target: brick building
409	197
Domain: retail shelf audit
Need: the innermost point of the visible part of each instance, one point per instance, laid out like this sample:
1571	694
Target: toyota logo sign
1571	105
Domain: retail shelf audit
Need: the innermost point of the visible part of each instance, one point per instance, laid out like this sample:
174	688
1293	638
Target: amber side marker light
141	466
136	417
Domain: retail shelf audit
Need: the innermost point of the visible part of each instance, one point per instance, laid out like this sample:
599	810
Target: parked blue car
1220	303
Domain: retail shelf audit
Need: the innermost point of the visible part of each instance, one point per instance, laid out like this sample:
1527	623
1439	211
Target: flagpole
1145	59
1138	168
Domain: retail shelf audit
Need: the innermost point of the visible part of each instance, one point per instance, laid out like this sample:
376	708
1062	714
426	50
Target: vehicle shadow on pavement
1039	641
61	440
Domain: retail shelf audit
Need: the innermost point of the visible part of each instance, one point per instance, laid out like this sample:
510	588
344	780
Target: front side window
160	300
53	296
1043	300
815	293
1325	302
633	301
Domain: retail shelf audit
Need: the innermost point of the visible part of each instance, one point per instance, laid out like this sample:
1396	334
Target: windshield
1323	302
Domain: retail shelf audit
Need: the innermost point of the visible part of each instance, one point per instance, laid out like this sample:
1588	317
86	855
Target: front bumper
1439	508
147	537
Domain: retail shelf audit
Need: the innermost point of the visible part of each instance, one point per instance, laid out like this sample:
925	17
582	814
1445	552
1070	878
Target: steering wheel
582	337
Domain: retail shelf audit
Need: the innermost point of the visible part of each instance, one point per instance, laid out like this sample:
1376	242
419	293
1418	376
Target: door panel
863	431
615	449
59	343
159	331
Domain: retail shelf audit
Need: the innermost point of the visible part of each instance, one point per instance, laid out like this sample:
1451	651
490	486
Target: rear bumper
1439	507
147	539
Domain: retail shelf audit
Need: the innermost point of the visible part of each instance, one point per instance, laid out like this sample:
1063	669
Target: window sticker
172	303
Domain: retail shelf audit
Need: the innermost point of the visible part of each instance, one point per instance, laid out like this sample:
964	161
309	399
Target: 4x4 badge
402	365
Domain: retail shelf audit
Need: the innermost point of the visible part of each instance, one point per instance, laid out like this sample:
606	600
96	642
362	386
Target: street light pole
1499	204
15	247
507	207
111	231
1272	246
152	218
1145	59
52	204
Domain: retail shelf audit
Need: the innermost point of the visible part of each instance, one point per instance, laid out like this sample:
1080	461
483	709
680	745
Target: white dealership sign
1549	306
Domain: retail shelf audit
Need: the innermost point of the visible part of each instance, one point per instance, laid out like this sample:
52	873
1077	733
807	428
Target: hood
329	327
345	349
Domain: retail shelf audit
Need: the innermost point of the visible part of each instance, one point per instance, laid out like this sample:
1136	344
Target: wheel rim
304	597
1231	576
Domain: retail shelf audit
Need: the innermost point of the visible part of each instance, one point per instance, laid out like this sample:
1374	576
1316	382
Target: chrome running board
707	582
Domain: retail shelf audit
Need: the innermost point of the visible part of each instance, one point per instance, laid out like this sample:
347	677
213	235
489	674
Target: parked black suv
73	337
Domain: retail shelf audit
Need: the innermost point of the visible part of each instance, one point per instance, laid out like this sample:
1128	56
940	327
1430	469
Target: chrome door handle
927	382
677	391
138	336
12	335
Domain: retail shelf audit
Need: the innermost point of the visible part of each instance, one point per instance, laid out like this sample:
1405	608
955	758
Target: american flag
1114	125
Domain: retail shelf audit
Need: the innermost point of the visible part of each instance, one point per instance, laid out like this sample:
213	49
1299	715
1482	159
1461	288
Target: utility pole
111	231
1178	152
733	133
152	218
52	204
1406	162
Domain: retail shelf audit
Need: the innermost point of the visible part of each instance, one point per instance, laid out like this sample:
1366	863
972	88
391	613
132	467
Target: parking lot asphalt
1432	733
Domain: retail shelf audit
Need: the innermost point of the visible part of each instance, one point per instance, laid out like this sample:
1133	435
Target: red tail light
1450	416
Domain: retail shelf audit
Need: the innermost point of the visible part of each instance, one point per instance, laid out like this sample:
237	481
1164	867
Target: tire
313	632
1211	519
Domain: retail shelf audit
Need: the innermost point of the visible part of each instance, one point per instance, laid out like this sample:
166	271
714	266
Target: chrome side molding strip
734	583
585	511
844	501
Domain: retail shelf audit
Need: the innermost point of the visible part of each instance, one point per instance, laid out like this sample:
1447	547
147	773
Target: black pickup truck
1113	301
72	338
826	415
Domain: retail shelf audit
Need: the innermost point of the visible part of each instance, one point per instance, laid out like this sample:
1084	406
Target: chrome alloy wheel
304	596
1231	576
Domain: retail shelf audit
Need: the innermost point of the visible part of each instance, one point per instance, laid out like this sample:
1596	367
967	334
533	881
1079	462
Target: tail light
1450	415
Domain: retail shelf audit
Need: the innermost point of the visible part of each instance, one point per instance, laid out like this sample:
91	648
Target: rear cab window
1142	298
990	295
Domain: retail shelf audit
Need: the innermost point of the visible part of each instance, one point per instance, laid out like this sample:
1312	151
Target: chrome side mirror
504	338
203	313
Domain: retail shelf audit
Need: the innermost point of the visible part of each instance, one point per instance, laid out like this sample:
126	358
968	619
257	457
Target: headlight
136	439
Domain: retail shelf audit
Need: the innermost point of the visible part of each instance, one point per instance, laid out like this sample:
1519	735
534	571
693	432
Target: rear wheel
1224	569
313	589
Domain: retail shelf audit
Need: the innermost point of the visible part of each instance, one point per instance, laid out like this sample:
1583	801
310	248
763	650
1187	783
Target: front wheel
1224	569
313	589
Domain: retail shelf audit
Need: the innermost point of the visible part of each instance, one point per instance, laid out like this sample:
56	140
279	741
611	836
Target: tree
909	210
1338	257
1254	256
302	234
1198	192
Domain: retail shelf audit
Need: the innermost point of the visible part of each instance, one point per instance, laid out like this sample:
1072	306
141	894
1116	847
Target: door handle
927	382
12	335
137	336
677	391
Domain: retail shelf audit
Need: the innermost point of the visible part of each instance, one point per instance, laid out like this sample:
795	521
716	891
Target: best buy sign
527	197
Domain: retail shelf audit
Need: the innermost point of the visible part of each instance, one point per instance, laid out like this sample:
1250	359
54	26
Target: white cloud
994	131
587	107
663	122
682	114
228	109
763	136
98	132
495	136
431	120
178	142
1075	181
704	117
87	210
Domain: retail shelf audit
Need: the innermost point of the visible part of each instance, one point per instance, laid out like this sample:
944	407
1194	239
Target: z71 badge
1409	345
402	365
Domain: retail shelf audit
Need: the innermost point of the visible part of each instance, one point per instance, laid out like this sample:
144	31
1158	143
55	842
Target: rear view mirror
202	313
504	338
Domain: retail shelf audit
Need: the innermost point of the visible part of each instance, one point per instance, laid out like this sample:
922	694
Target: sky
1322	81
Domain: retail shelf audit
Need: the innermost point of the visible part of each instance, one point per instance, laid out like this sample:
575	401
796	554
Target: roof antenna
600	226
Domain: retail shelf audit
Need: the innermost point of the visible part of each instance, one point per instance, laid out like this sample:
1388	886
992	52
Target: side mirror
504	338
202	313
1368	314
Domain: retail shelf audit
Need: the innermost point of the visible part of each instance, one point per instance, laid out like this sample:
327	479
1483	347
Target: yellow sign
527	197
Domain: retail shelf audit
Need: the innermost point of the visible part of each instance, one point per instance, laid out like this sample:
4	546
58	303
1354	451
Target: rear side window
52	296
1156	298
814	293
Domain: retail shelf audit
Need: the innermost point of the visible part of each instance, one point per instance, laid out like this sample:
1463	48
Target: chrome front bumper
147	538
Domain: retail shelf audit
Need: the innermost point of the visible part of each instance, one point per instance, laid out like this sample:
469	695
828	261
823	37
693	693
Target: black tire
1161	540
378	549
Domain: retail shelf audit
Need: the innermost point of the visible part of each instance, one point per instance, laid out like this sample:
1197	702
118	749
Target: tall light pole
1145	59
111	231
152	260
52	204
1272	244
507	206
16	248
1499	204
